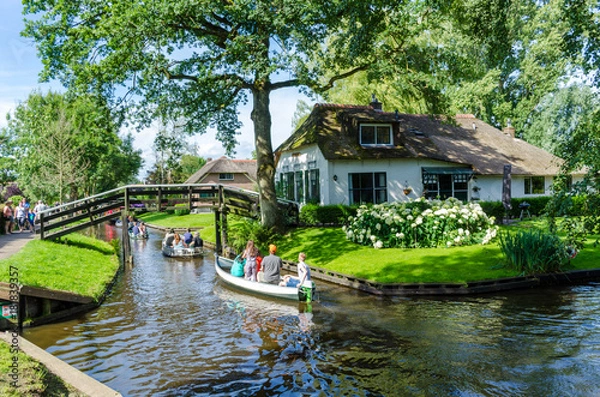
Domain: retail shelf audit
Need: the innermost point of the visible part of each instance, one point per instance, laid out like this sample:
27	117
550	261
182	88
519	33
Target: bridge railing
66	218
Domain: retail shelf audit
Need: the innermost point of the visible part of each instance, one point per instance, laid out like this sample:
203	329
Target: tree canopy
199	60
67	147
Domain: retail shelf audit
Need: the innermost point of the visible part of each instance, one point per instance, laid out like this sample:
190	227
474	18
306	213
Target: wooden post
224	229
190	198
42	226
159	200
218	243
124	229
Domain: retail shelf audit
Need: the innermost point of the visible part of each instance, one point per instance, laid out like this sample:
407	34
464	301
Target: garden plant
421	223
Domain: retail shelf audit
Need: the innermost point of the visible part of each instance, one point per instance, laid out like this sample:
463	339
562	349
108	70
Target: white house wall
299	160
400	173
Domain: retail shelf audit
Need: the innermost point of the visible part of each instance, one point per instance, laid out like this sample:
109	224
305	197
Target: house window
299	191
312	186
446	182
226	177
367	188
535	185
375	134
288	185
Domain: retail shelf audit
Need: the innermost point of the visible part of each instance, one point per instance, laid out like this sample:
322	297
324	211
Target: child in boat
303	274
250	254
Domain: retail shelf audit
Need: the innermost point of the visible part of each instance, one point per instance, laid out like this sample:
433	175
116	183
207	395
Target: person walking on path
9	219
21	215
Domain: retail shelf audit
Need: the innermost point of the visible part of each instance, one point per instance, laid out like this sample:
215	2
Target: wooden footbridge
118	203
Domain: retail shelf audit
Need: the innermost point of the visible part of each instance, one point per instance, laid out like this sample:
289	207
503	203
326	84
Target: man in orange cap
271	266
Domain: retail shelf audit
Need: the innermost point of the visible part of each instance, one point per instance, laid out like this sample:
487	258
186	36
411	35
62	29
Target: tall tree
200	59
68	147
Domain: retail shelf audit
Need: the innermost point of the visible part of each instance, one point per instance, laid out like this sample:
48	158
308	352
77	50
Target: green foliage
337	214
248	229
421	223
68	146
533	251
537	207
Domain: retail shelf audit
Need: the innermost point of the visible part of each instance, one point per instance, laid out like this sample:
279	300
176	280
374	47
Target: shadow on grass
90	245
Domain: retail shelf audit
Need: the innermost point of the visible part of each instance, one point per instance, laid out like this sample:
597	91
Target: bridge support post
126	244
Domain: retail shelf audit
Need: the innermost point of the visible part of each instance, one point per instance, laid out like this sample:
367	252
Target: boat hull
171	252
223	265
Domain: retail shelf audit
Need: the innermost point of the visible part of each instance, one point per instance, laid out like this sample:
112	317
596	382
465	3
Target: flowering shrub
421	223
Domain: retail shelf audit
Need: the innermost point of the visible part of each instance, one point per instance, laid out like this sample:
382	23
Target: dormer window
376	134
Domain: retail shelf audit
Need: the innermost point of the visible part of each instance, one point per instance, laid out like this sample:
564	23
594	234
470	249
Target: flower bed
421	223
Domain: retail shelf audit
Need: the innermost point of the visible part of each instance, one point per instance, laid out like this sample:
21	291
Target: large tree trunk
261	117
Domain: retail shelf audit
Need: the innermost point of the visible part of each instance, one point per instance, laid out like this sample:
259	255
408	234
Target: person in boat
135	230
303	274
187	237
143	230
250	254
271	267
197	242
178	241
169	237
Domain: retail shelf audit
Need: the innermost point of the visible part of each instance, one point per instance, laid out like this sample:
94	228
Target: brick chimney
509	129
375	104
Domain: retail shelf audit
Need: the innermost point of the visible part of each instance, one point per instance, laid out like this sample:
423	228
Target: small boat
223	267
182	252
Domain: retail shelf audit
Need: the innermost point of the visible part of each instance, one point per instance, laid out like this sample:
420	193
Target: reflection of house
359	154
225	171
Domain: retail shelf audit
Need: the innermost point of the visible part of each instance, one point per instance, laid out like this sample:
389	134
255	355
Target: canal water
172	328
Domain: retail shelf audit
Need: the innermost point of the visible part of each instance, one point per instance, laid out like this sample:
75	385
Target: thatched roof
225	165
470	142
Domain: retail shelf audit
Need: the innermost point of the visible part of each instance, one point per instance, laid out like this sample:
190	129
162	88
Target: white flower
378	226
373	238
400	235
378	244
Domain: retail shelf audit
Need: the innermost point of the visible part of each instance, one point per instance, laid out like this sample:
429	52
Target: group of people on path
23	216
188	240
268	269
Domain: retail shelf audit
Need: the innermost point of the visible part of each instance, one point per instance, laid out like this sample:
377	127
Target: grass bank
34	378
204	221
328	248
77	264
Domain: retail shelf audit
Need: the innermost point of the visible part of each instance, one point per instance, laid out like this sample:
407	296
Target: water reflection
171	328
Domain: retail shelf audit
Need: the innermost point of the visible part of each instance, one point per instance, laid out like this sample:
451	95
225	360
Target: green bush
314	214
250	229
420	223
533	251
181	209
537	207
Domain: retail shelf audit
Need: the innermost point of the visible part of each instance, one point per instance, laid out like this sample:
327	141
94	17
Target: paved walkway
12	243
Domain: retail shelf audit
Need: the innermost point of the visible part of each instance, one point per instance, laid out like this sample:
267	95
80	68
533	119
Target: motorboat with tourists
182	252
223	268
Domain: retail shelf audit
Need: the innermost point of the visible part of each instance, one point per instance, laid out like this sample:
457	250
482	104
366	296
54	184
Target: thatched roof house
361	153
226	171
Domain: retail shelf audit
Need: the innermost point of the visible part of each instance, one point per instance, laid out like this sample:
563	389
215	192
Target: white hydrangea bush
421	223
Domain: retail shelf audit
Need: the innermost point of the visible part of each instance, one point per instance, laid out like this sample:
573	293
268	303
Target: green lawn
34	378
204	221
79	264
328	248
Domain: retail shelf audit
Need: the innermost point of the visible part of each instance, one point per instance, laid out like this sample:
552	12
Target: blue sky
19	69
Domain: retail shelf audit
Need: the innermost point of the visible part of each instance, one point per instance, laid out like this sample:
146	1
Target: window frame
376	134
223	176
376	191
529	185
